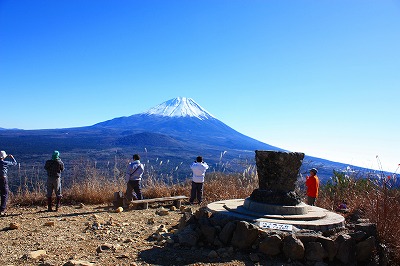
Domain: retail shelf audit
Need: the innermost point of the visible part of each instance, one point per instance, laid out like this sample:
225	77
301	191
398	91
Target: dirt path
99	235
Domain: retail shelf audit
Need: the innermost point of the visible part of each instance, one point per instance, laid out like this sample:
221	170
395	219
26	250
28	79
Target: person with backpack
54	167
199	168
133	179
4	180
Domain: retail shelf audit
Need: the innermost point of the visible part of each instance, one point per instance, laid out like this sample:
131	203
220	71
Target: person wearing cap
4	164
312	183
199	168
133	178
54	167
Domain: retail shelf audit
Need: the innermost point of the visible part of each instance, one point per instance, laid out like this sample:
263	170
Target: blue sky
319	77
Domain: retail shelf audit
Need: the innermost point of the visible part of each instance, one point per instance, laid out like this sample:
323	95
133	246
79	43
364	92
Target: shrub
376	198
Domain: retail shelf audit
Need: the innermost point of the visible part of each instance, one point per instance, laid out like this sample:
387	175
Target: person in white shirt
133	179
199	168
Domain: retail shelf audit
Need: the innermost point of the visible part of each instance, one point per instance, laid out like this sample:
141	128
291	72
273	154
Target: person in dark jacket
54	167
4	180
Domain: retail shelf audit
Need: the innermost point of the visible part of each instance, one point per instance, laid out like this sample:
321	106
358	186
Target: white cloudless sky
319	77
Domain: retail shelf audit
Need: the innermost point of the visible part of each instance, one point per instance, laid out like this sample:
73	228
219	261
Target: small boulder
78	263
49	223
14	226
293	248
162	212
227	232
315	251
188	237
37	254
104	247
365	249
346	249
245	234
271	245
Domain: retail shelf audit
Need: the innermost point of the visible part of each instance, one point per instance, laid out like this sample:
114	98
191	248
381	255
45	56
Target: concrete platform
255	206
316	218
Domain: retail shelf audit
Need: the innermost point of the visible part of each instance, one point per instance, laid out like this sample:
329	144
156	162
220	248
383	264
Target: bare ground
99	235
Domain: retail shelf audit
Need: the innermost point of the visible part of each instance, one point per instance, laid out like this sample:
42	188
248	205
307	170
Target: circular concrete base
252	205
316	218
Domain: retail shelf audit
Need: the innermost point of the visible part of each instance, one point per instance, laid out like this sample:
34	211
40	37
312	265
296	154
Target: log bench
144	203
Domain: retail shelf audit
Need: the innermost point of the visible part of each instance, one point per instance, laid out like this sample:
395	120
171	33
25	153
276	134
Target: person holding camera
4	180
133	179
199	168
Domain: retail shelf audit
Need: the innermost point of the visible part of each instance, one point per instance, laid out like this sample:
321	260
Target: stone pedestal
277	174
275	209
275	202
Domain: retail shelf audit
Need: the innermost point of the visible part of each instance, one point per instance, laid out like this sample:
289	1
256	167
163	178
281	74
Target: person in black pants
199	168
133	178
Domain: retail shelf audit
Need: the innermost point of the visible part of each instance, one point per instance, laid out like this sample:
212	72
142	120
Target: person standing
133	179
312	183
199	168
4	180
54	167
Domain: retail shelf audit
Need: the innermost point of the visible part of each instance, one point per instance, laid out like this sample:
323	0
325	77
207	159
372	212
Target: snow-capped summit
180	107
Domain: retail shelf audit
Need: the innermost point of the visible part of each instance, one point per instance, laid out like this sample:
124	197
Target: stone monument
275	203
277	174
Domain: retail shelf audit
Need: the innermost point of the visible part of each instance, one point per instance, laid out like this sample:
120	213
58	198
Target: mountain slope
185	120
199	131
177	130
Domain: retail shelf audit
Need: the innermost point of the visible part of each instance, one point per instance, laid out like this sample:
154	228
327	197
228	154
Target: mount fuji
183	127
176	131
187	123
180	107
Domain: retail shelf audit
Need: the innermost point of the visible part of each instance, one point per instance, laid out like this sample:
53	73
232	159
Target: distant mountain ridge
177	130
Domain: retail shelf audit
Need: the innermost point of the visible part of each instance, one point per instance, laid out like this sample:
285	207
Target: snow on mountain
180	107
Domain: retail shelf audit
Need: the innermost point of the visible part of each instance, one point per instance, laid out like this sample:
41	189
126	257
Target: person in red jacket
312	183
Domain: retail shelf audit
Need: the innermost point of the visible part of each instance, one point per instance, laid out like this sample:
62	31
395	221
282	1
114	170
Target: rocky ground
101	236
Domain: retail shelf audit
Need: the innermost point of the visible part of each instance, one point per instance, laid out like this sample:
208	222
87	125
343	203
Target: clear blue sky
319	77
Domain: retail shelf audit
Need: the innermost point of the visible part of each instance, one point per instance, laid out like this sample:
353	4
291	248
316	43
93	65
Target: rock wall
347	245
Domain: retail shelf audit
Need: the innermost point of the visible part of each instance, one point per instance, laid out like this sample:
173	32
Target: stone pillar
277	174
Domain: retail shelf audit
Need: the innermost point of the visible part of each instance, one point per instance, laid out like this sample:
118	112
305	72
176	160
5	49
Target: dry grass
232	186
375	199
377	202
382	206
27	198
